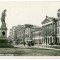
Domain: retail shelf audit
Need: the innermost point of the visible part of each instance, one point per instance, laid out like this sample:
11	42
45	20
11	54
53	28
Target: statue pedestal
3	34
3	31
3	37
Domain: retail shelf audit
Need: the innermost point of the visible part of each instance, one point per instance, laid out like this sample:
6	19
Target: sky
20	13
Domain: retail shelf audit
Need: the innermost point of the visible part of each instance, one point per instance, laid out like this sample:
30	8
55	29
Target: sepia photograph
30	28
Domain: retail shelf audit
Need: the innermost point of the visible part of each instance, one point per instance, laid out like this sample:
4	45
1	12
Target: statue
3	16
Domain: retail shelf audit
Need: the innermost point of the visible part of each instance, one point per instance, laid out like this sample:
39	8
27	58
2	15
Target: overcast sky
20	13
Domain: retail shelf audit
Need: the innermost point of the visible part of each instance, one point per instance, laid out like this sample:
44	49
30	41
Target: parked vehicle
31	43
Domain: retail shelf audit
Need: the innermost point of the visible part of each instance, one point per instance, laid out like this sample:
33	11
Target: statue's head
5	10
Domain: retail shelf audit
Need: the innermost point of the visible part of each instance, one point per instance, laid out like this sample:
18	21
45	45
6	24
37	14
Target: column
52	39
58	39
43	40
46	40
49	40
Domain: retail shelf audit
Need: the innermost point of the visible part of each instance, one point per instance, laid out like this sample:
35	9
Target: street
29	51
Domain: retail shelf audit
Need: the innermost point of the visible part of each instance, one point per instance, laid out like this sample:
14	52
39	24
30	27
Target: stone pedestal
3	31
3	35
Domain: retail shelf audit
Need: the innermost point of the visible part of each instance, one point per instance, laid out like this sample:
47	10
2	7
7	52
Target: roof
28	26
36	29
49	19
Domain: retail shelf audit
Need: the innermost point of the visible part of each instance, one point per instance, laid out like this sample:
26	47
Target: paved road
30	51
37	51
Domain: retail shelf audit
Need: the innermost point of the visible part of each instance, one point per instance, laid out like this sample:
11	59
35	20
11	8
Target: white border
29	0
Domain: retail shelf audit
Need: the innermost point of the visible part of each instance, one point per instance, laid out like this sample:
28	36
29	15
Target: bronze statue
3	16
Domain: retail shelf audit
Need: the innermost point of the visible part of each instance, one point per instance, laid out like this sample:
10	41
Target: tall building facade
28	33
12	35
20	34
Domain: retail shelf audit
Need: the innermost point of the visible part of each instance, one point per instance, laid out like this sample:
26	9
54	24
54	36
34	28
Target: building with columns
58	26
49	31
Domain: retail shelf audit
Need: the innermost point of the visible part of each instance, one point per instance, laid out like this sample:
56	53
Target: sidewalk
37	46
46	47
